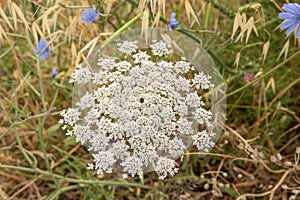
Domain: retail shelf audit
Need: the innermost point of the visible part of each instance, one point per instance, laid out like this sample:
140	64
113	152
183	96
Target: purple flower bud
173	23
54	72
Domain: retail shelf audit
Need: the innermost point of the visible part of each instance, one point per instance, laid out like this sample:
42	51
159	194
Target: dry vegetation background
257	155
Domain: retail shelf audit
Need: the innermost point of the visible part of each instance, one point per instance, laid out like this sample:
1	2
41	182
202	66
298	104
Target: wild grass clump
258	153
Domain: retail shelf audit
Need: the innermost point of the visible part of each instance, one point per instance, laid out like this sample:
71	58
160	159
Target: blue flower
54	72
291	17
42	49
89	16
173	23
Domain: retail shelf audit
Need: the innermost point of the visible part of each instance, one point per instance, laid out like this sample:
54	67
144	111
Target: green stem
72	180
133	3
222	8
24	151
264	75
13	105
118	32
15	124
218	60
30	85
42	97
57	193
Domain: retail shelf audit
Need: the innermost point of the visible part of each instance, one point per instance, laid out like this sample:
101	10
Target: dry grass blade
73	52
250	26
265	51
271	83
2	35
284	50
145	23
36	31
85	60
14	16
153	6
45	26
55	20
3	194
7	50
20	14
162	3
142	5
69	32
166	38
48	11
187	6
285	90
156	19
270	192
255	29
190	11
276	5
91	45
109	4
256	6
5	18
246	26
26	185
237	60
242	19
55	164
78	58
236	24
177	47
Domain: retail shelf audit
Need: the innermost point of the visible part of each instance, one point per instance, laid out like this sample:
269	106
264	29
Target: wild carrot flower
173	23
89	16
54	72
42	49
291	17
142	110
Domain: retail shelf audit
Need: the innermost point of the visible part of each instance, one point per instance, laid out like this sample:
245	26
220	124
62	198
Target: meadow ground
257	155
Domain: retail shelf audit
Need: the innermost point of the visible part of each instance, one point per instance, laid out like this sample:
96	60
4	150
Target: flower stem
118	32
264	75
73	180
42	97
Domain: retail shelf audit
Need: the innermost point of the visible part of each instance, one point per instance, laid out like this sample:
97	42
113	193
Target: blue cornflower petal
292	8
291	17
173	23
298	33
291	29
286	24
54	72
89	16
172	17
42	49
286	15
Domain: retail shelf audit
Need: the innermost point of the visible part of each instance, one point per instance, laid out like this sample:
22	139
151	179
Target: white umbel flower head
127	47
159	48
81	75
142	109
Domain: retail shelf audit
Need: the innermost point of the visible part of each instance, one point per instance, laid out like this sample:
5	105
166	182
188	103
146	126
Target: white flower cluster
142	112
